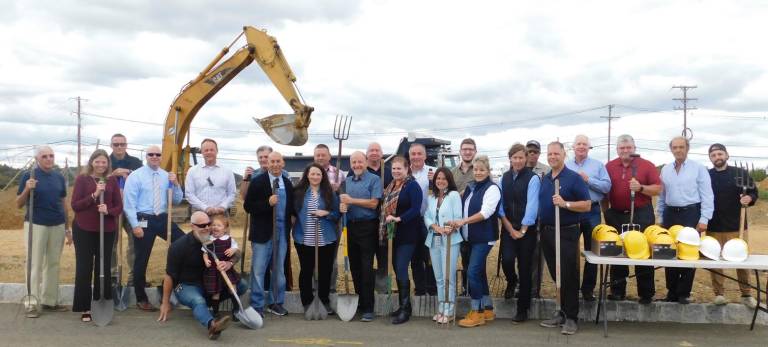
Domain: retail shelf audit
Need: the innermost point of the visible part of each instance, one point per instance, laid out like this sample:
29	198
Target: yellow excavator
286	129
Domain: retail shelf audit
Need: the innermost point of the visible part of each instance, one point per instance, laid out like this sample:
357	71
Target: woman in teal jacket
317	211
444	205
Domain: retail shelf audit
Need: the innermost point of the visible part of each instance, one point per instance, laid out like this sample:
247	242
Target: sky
497	71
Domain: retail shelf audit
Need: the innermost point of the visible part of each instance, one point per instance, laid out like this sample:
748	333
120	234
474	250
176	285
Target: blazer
256	203
449	210
411	225
328	224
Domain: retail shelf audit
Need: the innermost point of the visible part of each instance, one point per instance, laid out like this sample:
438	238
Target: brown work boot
472	319
216	326
488	315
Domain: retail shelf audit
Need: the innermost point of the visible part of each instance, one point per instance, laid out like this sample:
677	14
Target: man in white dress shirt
210	187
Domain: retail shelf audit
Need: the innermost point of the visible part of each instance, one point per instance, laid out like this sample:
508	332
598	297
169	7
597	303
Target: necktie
156	192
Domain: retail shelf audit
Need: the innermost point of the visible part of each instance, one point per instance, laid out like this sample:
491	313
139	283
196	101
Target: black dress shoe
645	300
683	300
519	318
616	297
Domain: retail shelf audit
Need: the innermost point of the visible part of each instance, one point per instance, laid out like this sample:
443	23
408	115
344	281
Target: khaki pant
47	244
742	275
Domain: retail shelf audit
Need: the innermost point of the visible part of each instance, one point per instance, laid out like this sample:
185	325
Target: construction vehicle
286	129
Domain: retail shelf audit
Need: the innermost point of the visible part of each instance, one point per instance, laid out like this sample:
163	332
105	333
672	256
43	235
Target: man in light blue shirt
594	174
686	199
145	205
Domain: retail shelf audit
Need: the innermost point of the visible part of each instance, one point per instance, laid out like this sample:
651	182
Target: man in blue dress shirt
145	205
686	199
596	177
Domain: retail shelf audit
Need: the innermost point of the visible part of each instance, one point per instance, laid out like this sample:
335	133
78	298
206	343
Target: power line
687	132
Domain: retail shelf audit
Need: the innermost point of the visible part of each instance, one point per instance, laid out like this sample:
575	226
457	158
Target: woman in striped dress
317	214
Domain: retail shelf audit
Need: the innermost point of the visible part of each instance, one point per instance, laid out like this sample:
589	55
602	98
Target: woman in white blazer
444	204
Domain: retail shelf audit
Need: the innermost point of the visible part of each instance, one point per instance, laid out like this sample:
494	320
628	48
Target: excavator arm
287	129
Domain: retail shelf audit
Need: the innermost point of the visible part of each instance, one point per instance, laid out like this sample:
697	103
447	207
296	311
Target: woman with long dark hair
317	208
85	202
402	206
444	205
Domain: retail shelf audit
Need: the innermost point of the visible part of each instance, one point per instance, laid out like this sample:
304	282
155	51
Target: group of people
430	215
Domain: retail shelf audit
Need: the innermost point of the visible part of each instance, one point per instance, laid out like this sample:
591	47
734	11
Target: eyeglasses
123	144
47	156
202	225
153	154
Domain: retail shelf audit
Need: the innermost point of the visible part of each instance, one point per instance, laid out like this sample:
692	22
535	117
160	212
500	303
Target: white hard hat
710	248
689	236
735	250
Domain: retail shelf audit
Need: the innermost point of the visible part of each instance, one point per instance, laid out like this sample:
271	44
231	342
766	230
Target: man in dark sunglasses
145	204
123	164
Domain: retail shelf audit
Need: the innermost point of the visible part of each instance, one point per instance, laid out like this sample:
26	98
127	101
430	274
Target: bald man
145	205
267	193
359	201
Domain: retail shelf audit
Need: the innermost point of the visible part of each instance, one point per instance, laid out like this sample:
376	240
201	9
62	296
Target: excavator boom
287	129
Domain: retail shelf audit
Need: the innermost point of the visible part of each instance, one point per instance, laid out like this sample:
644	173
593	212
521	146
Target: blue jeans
478	279
262	254
403	254
439	257
192	296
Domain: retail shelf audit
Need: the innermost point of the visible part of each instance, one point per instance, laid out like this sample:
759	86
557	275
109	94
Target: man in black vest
518	211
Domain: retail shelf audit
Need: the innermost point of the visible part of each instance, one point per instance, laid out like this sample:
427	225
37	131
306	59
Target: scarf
389	206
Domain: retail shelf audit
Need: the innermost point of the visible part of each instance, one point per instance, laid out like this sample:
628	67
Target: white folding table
754	263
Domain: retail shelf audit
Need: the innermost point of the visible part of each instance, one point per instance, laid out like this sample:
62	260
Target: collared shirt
139	194
572	188
691	185
210	186
532	202
599	183
541	169
387	174
463	178
645	174
366	186
334	174
49	192
422	178
281	200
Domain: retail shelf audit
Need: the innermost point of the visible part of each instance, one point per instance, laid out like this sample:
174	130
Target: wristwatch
568	205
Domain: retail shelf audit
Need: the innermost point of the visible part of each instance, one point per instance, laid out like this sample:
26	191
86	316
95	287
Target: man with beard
464	174
724	225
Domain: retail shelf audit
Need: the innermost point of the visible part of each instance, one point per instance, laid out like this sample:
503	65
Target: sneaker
444	319
55	308
554	322
472	319
720	300
488	315
436	317
277	309
367	317
749	301
570	327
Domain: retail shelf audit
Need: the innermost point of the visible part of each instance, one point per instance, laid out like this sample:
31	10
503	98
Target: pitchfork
745	182
341	127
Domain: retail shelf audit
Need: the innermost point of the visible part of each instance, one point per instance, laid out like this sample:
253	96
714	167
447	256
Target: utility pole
610	117
79	127
687	132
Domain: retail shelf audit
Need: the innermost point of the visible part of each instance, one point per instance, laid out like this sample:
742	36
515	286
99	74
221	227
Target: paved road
135	328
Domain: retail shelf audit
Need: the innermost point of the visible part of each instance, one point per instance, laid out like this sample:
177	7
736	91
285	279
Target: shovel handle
557	245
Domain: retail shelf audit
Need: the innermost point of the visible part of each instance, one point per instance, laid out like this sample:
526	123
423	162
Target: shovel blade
102	311
316	310
120	298
250	318
284	129
346	306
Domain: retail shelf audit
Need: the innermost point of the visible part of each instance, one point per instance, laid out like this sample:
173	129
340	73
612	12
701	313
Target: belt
628	211
683	208
562	226
147	215
360	220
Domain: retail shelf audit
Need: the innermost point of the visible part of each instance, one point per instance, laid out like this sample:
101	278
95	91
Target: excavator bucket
285	129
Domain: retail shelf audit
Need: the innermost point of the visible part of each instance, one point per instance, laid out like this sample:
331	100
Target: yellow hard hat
687	252
655	233
673	230
636	245
663	238
600	228
650	229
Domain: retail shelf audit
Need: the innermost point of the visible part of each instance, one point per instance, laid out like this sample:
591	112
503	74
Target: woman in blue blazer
402	206
444	205
317	210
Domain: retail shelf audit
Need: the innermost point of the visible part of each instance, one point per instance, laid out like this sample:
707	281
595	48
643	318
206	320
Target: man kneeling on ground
184	273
